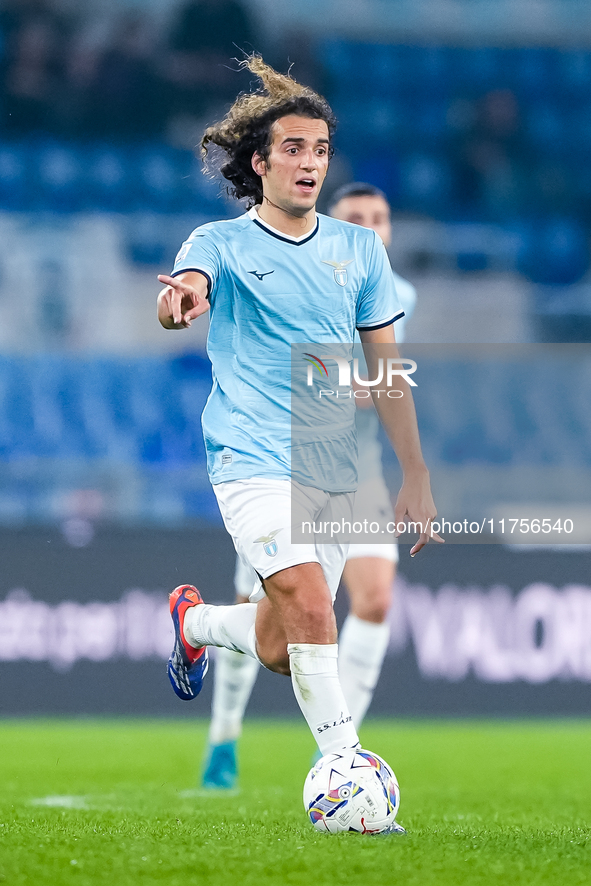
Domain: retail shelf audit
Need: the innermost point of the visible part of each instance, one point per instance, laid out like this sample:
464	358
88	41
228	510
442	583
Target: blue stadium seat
60	182
428	70
573	74
534	72
425	182
363	64
352	114
158	179
146	241
547	127
385	69
109	173
60	410
577	131
201	504
555	252
16	189
203	195
428	121
481	69
382	171
378	117
336	58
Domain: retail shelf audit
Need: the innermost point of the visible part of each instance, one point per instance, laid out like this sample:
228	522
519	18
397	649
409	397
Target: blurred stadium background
474	116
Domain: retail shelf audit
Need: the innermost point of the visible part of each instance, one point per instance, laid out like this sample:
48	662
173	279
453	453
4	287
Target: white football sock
233	679
315	679
229	626
362	648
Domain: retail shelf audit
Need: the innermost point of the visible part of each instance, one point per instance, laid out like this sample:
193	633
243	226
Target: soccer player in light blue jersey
277	275
370	568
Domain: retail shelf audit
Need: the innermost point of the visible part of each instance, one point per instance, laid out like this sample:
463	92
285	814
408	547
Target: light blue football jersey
268	291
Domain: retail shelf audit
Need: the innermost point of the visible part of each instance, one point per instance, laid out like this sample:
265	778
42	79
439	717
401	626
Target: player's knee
373	606
276	661
315	615
312	604
375	614
272	651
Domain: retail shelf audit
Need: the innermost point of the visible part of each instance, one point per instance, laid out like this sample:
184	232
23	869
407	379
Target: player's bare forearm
399	420
182	300
362	402
397	415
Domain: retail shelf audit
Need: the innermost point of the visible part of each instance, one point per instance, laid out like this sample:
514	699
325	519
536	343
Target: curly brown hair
246	128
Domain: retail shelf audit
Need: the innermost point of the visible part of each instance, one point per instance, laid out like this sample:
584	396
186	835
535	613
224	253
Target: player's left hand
415	505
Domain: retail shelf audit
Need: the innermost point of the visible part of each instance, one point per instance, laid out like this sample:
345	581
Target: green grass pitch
113	802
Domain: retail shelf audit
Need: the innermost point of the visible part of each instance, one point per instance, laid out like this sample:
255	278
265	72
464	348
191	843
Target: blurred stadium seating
57	176
484	134
147	410
486	147
406	101
129	429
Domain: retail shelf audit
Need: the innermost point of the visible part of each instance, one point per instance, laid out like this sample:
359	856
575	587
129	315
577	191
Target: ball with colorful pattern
351	791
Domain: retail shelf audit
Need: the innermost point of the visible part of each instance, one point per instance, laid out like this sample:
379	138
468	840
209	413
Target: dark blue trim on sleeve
197	271
381	325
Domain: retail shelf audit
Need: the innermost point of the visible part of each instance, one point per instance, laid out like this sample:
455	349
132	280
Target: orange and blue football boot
187	666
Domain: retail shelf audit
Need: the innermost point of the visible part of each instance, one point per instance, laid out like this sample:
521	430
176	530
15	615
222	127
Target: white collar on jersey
254	215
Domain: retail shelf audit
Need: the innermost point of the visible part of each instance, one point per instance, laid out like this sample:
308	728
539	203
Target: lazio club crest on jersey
340	270
268	542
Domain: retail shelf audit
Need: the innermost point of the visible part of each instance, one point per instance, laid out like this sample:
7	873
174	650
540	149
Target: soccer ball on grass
352	791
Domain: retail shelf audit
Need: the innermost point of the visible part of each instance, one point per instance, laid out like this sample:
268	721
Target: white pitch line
64	802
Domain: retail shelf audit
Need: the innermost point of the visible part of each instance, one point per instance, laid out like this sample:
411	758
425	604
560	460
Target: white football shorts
245	578
257	514
372	503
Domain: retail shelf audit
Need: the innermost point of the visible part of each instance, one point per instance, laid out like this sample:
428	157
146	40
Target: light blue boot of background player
221	769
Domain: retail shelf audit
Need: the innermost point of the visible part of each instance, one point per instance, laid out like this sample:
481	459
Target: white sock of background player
314	669
233	679
234	673
362	648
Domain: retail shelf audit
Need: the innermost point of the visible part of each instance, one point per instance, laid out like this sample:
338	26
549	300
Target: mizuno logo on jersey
260	276
340	270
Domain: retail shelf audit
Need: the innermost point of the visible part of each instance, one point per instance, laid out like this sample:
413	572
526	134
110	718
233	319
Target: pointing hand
179	303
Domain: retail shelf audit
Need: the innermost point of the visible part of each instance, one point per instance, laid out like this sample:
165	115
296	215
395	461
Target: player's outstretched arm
415	501
182	300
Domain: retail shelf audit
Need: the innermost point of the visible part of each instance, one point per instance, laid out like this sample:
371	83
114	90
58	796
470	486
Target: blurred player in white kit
370	568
